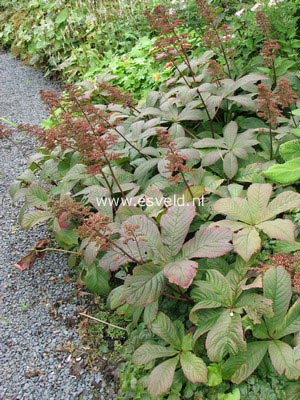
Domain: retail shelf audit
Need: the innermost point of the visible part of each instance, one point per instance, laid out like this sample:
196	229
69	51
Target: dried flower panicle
270	46
217	36
290	262
131	233
75	209
208	14
267	105
5	131
95	227
269	51
263	23
67	210
82	127
176	162
171	45
52	100
215	71
114	95
162	21
296	281
285	94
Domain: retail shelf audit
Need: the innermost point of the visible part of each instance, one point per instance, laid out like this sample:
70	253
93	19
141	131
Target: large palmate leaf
290	323
283	359
280	229
161	378
144	286
277	287
182	273
35	217
216	289
246	242
239	367
205	320
255	306
226	337
163	327
193	367
37	197
231	147
247	217
148	352
96	280
175	226
209	242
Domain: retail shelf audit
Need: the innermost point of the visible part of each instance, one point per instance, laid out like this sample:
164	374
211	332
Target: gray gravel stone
31	365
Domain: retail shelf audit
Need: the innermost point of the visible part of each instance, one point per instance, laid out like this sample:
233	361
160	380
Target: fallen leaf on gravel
33	373
29	259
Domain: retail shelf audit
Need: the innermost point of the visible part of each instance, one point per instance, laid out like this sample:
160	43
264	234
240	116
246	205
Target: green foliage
121	184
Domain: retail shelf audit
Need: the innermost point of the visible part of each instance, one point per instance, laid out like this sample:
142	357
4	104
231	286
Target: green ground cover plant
208	285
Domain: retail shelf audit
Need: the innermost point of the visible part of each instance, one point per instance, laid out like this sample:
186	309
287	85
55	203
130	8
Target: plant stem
102	322
271	142
55	249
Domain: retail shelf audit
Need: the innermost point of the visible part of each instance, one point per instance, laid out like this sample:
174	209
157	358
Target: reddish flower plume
267	106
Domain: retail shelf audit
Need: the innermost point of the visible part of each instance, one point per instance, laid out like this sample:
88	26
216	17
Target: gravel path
33	362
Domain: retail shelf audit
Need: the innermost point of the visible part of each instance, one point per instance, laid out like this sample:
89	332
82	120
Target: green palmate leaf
230	165
35	217
150	312
286	173
163	327
175	226
246	242
258	198
291	322
280	229
290	150
239	367
148	352
255	306
286	247
96	280
187	342
259	331
208	242
197	191
90	253
205	320
236	209
283	202
230	133
251	173
193	367
218	284
144	286
37	197
283	359
161	378
226	337
182	273
115	298
66	237
277	287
